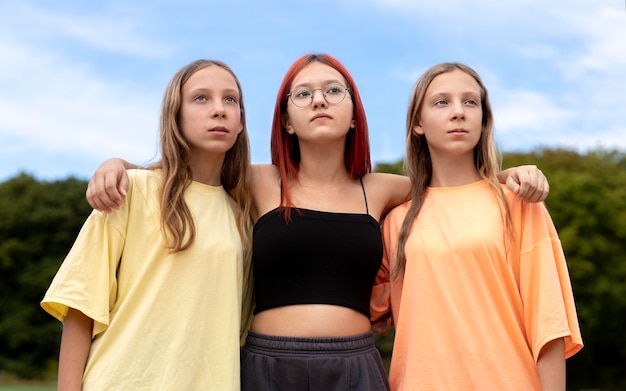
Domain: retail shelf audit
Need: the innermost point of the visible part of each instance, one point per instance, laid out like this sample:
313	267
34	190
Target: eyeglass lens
332	93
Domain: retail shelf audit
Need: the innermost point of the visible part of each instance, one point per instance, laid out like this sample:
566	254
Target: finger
93	198
526	182
543	188
546	189
110	193
99	193
123	186
512	184
533	184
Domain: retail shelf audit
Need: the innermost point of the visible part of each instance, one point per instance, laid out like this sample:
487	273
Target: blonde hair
176	218
418	163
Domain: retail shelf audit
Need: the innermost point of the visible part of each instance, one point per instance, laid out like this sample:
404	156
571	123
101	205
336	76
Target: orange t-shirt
474	309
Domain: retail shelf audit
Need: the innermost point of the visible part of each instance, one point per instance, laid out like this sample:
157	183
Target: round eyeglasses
332	93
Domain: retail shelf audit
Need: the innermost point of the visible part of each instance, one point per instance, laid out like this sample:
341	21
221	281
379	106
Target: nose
218	109
318	99
458	111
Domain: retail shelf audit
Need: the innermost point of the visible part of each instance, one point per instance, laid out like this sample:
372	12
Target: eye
200	98
230	99
302	93
472	102
334	89
440	102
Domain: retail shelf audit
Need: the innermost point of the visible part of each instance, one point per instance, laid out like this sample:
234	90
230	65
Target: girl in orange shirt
475	278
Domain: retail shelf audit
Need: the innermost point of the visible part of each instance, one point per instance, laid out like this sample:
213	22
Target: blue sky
82	81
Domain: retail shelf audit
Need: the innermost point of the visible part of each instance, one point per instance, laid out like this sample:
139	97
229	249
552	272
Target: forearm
551	366
75	344
128	165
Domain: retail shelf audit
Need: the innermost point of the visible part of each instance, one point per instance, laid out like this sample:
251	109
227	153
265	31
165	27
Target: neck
207	169
452	172
322	165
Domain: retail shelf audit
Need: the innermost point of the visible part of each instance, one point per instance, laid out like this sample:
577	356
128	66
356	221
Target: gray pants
271	363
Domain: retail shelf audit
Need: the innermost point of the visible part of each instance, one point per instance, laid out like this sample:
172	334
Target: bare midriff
310	320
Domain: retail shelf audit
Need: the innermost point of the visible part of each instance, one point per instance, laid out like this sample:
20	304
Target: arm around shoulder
528	182
265	184
390	189
109	184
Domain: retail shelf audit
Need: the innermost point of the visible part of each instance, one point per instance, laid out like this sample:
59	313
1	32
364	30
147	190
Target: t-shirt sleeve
380	303
86	280
544	281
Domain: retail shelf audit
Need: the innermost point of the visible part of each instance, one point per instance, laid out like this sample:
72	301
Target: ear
417	129
353	124
287	124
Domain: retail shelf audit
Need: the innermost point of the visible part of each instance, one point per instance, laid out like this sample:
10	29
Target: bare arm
109	184
75	344
528	182
551	366
265	184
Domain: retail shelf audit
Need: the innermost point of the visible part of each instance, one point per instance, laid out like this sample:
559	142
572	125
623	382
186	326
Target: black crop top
316	258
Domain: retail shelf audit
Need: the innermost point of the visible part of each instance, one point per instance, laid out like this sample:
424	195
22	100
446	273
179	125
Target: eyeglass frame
345	93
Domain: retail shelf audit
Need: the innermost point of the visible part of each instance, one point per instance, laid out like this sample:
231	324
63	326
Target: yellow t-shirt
470	315
162	321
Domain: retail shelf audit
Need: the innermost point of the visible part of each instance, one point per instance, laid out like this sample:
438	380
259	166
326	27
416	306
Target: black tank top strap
367	210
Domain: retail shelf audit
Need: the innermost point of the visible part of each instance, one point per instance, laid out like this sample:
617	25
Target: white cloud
600	48
68	109
67	106
527	119
114	30
530	110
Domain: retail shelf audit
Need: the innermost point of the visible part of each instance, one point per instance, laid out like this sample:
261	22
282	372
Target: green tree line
39	221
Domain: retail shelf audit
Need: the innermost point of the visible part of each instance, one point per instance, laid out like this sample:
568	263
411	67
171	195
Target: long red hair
285	147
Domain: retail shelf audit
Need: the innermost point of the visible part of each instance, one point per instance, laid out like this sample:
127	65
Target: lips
458	131
320	116
219	129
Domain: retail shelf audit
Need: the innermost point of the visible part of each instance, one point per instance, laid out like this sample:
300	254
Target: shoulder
389	190
143	183
398	212
511	198
141	176
520	208
392	223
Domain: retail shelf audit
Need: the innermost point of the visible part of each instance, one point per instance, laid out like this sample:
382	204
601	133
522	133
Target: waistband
332	345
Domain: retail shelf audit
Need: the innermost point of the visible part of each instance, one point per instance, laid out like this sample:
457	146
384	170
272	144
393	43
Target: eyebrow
447	94
212	90
325	83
